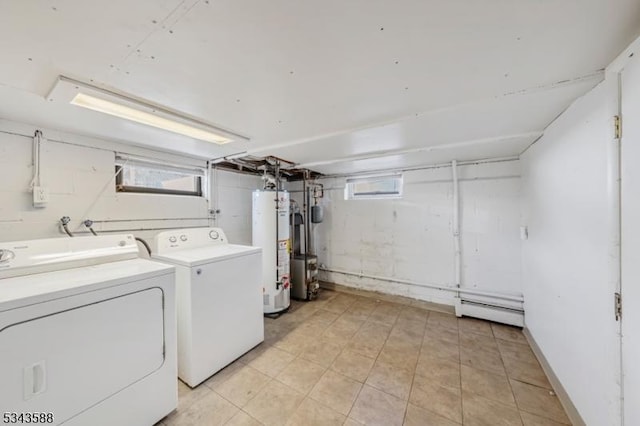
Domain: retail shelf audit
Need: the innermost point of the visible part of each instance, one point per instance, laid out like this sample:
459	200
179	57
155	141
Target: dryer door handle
35	380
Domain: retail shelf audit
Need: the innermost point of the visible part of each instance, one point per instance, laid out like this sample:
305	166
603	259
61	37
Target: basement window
373	187
155	178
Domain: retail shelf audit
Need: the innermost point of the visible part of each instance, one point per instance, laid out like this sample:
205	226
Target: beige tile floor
346	359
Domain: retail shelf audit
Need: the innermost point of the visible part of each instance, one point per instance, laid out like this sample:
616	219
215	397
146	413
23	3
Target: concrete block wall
411	238
79	173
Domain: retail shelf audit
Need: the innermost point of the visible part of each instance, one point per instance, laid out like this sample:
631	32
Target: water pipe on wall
456	226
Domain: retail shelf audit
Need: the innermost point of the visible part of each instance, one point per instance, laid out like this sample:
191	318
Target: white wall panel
630	273
567	288
232	195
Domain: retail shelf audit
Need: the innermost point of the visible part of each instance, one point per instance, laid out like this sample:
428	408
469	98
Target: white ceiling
338	85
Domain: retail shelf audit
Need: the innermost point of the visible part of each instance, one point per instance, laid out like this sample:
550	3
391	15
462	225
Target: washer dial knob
214	235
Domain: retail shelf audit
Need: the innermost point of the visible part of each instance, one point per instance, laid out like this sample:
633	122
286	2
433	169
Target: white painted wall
232	196
79	174
567	288
411	238
630	174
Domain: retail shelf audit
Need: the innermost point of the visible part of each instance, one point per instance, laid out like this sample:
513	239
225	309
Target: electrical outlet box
40	196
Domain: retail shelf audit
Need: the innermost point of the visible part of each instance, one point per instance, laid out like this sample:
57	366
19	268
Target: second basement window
373	187
154	178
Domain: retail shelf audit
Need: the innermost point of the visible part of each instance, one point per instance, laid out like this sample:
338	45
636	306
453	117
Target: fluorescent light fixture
111	102
122	111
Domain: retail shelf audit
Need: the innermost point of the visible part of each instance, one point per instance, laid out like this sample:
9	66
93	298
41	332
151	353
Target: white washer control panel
181	239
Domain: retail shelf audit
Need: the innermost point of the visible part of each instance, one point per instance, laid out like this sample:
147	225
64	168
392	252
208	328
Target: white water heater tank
271	232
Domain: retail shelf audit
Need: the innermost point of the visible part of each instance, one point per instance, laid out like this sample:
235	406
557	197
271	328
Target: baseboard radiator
510	313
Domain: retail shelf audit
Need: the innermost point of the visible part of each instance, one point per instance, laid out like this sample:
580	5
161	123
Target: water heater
271	232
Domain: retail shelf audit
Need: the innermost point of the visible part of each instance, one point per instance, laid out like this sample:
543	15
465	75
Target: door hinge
617	127
618	305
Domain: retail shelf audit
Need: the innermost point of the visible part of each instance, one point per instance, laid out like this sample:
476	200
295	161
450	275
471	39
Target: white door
630	169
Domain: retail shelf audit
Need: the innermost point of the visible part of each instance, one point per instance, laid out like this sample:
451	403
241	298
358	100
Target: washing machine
87	333
219	298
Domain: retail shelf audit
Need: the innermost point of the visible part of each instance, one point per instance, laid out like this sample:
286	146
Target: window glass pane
374	187
152	177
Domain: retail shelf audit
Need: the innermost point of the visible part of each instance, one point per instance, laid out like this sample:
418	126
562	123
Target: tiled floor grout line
460	369
275	379
406	405
338	355
503	366
297	405
374	363
413	379
239	408
404	326
508	379
250	416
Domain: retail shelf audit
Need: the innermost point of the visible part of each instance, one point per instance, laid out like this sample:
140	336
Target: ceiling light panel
139	111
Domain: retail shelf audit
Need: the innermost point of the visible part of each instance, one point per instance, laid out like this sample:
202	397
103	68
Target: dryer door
66	362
